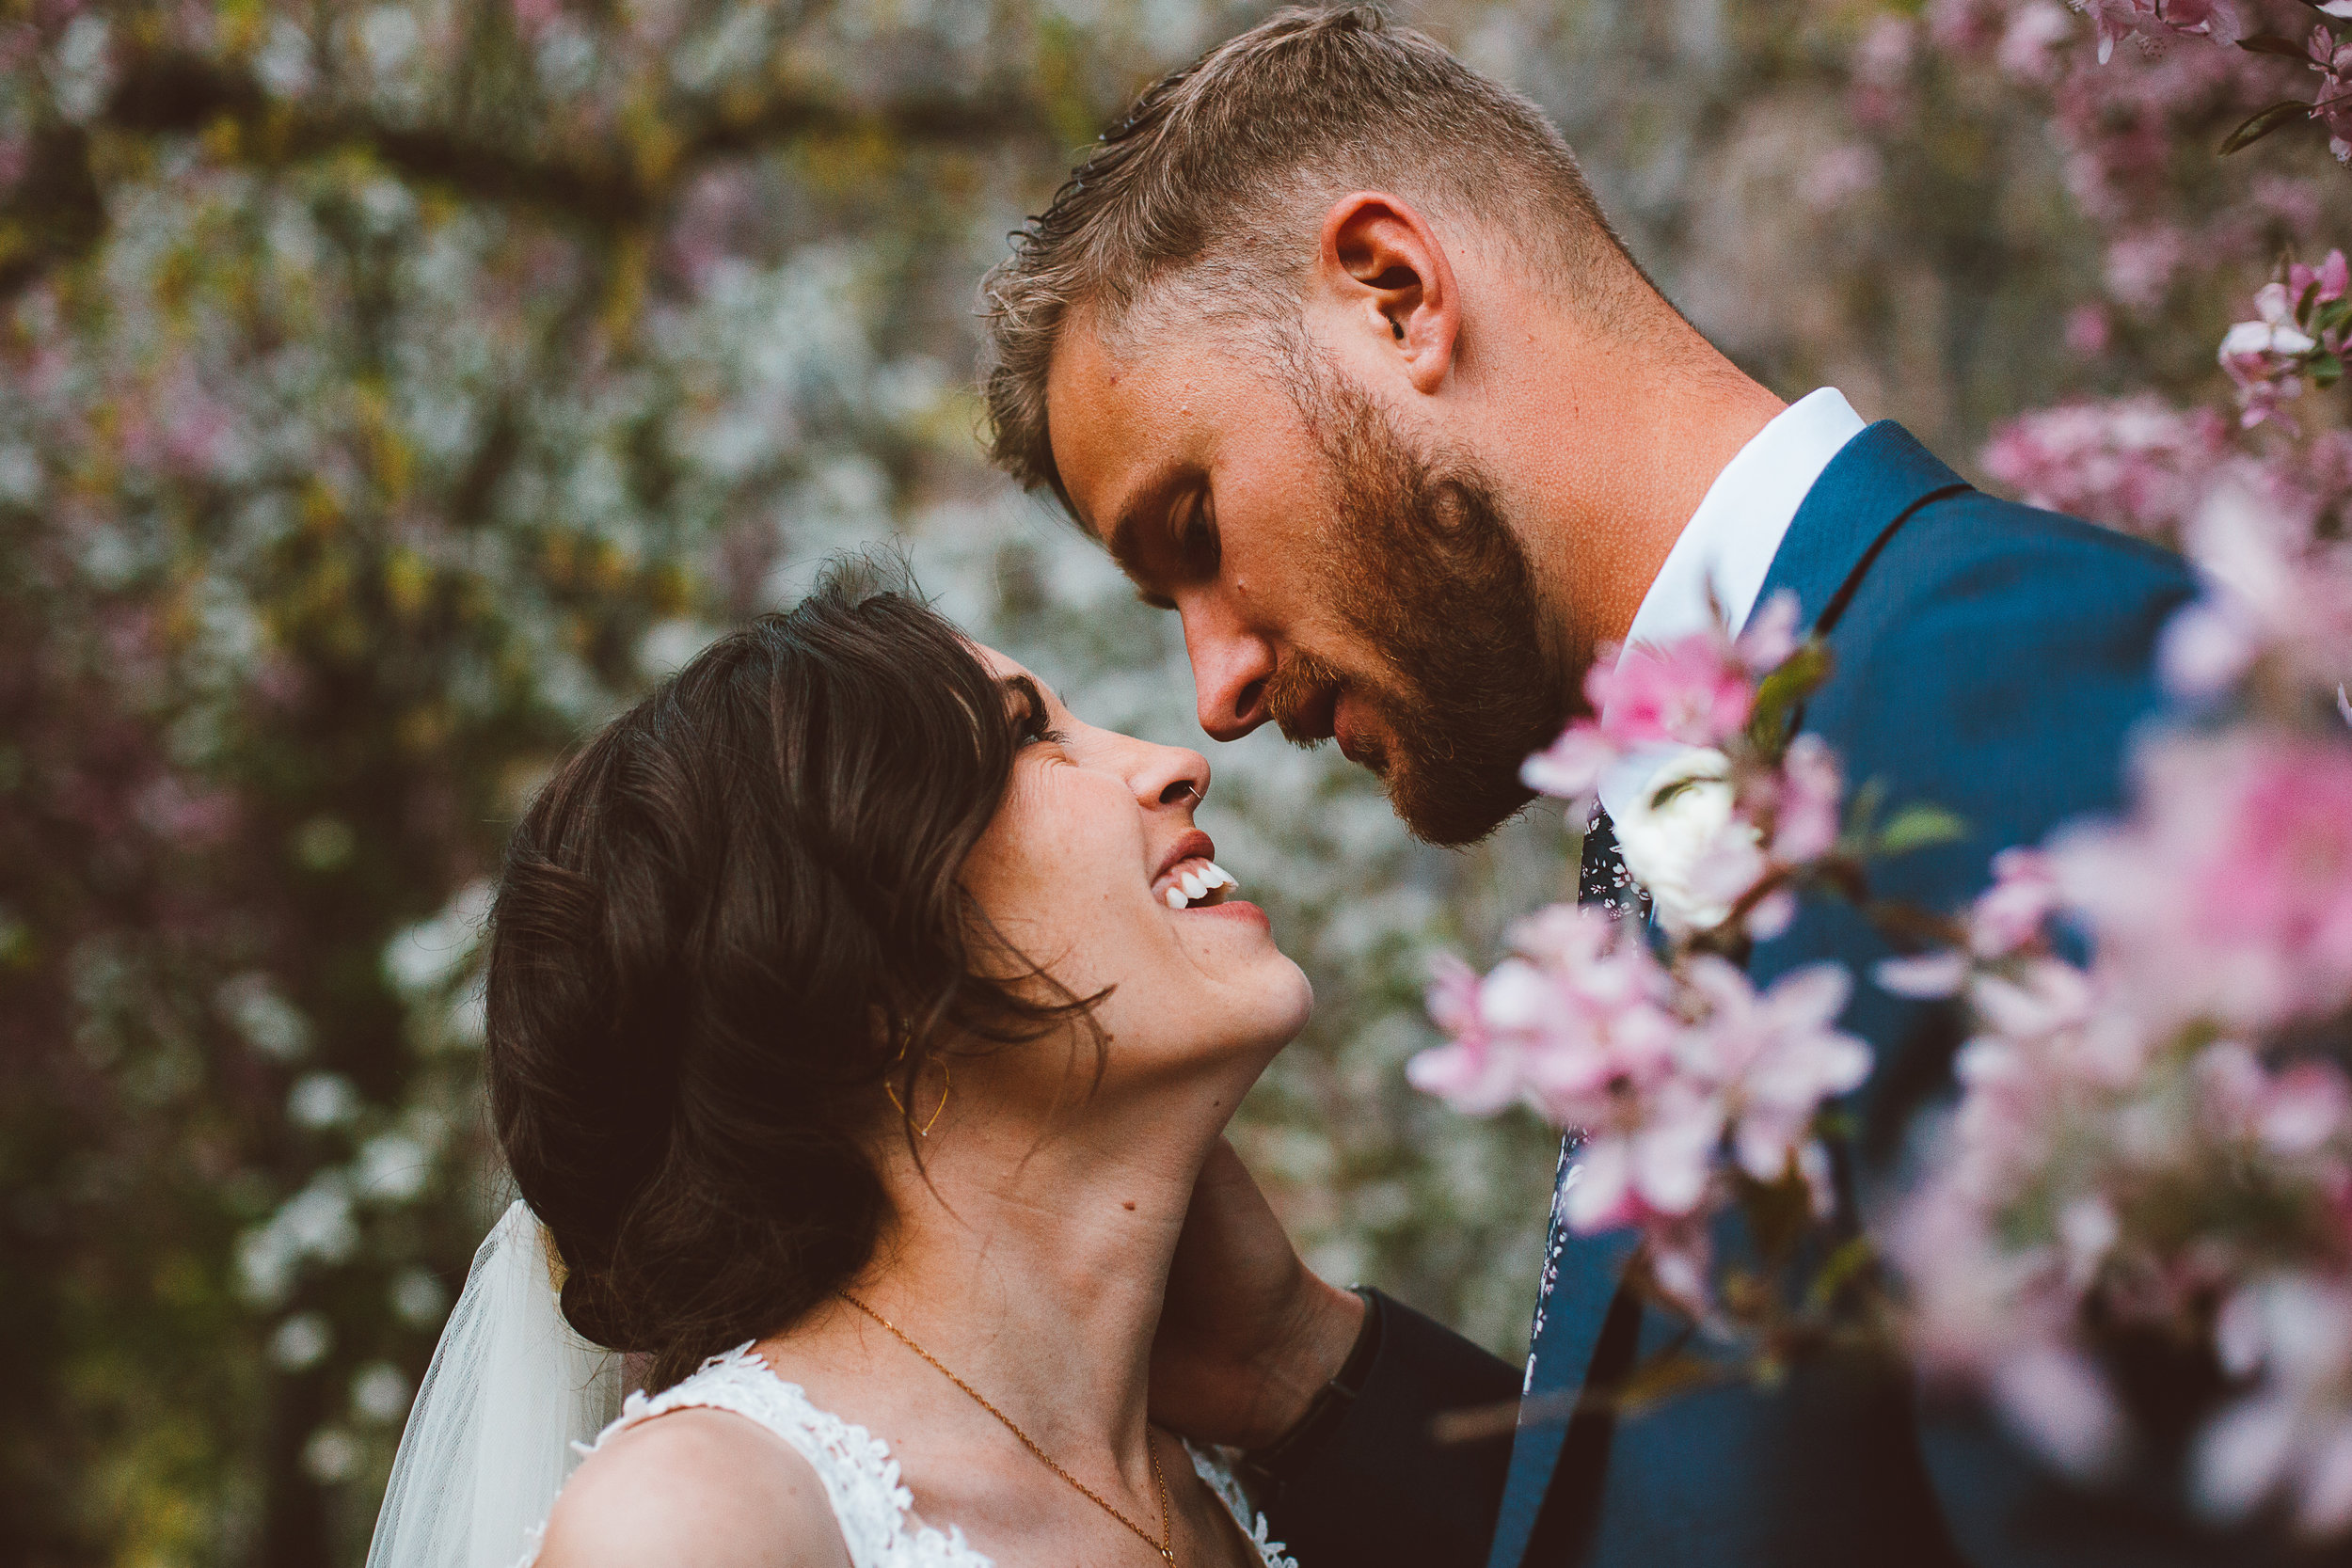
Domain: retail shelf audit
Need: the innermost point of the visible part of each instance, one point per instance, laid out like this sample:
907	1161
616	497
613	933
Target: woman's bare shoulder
694	1488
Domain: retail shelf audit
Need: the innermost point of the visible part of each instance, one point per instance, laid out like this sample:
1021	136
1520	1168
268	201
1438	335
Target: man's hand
1248	1335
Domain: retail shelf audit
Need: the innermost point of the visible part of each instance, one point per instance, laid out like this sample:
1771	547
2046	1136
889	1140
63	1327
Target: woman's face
1077	870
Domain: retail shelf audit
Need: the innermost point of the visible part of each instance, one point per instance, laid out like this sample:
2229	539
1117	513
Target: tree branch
55	212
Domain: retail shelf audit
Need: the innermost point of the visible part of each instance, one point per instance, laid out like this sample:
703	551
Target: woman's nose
1176	775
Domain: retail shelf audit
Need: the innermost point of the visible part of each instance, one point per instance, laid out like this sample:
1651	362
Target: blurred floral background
389	391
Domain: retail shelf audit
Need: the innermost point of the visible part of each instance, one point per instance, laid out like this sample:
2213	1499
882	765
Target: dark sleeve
1382	1489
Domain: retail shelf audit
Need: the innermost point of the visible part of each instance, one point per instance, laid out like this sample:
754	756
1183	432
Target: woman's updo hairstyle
726	923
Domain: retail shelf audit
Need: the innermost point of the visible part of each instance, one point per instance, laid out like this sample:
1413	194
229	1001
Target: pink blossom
1657	1165
1768	639
2011	913
2229	894
2141	266
1571	767
2056	1399
1882	69
2278	592
1574	1018
2134	464
2331	276
1694	692
2088	331
2333	61
2265	356
1773	1060
2293	1433
2293	1112
1805	815
2116	20
1473	1071
2029	44
1966	24
1923	975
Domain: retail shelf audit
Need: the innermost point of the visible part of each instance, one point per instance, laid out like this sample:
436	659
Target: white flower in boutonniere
1684	842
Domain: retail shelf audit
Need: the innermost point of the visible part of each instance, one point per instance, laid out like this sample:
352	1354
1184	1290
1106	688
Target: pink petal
1599	1191
2240	1457
1570	767
1926	976
2059	1404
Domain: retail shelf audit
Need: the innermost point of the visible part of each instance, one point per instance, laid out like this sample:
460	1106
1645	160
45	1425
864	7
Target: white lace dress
861	1480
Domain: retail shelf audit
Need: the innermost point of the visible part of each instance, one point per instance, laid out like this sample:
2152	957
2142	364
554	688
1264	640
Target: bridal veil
489	1439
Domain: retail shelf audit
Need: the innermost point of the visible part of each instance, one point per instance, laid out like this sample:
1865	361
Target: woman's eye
1034	723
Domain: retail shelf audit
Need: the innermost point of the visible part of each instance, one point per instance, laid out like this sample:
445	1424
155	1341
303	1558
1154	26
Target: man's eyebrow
1120	538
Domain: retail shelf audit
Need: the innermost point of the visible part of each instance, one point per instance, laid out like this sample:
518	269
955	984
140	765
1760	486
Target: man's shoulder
1971	585
1971	546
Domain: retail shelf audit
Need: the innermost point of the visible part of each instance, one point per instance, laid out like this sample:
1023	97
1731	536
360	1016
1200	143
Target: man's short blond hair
1208	197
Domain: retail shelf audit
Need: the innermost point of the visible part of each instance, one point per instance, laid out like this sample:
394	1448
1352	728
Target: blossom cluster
1682	1078
1692	1091
2136	463
2155	1145
2299	330
2124	83
1721	811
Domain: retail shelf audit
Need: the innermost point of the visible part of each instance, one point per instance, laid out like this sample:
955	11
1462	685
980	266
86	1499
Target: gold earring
937	1111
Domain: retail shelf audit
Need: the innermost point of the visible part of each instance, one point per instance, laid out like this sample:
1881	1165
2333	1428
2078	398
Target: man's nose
1231	666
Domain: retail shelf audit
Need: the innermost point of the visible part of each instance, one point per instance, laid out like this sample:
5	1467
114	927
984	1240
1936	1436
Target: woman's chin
1290	1002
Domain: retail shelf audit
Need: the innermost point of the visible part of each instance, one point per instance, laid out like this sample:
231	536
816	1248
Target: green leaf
2271	44
2254	127
1862	809
2327	368
1919	826
1851	1259
1668	792
2332	314
1784	691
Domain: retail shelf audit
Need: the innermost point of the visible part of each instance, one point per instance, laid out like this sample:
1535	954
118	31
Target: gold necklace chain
1164	1546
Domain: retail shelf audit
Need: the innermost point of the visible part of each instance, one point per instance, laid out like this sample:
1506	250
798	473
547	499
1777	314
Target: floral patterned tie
1603	883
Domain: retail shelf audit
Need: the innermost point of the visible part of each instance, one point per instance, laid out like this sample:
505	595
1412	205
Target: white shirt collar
1731	539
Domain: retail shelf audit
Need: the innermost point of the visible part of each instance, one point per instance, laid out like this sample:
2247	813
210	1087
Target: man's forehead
1094	420
1128	412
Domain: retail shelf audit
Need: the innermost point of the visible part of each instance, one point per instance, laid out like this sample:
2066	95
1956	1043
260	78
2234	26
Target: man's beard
1425	570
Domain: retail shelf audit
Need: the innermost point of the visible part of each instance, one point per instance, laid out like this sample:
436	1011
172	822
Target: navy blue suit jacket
1992	659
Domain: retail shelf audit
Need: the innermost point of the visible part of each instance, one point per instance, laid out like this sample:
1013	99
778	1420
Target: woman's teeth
1197	883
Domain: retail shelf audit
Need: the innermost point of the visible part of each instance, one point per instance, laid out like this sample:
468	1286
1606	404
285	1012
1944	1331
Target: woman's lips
1194	845
1233	908
1193	883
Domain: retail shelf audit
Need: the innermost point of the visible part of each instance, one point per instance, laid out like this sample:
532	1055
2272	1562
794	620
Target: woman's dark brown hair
725	924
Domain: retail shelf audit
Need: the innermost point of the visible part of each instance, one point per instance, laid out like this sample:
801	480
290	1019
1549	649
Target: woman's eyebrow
1014	684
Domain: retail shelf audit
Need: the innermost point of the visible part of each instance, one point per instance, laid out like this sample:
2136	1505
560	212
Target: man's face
1330	576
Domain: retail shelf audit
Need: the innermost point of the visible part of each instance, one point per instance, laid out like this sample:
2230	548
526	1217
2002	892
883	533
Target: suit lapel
1870	489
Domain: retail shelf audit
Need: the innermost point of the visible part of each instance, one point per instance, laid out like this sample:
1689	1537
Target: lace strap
860	1478
1212	1466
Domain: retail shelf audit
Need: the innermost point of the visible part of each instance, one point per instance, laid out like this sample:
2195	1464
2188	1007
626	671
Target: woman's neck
1034	1267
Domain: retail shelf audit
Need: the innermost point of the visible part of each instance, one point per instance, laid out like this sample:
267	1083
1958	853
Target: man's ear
1383	262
